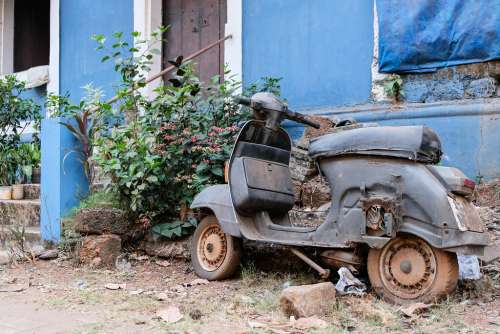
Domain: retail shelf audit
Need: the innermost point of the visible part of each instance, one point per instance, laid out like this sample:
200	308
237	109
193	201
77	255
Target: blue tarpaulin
423	35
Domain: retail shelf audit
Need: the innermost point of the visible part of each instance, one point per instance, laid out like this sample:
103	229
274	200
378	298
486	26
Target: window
24	34
31	34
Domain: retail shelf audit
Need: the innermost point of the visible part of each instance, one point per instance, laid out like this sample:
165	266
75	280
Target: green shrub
16	114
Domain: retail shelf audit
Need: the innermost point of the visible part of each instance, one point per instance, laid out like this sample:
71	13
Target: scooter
393	211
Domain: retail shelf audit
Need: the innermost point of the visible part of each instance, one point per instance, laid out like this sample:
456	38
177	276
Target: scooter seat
418	143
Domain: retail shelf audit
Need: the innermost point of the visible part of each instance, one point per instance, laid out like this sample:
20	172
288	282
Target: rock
494	69
170	314
162	263
161	296
136	292
195	314
101	221
172	249
13	288
301	166
100	250
31	191
49	254
122	264
445	89
485	87
415	91
198	281
414	308
4	257
315	192
115	286
307	300
309	132
491	254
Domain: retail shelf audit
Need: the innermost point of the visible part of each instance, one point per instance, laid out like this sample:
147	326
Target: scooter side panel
217	198
420	200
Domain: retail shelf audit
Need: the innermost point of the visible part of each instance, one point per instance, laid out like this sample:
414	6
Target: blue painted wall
63	181
323	49
80	63
468	131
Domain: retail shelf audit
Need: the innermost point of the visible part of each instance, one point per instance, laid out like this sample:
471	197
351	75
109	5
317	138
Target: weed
393	87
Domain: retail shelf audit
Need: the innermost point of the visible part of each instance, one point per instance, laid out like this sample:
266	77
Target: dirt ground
58	297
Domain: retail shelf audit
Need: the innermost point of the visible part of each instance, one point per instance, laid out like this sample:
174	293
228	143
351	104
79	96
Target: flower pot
5	192
35	178
17	191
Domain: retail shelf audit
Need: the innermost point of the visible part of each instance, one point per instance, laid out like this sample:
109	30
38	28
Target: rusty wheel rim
408	267
212	248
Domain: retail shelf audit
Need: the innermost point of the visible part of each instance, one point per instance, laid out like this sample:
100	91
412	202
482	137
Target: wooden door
195	24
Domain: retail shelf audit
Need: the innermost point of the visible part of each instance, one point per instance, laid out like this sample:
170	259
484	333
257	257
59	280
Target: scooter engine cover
261	185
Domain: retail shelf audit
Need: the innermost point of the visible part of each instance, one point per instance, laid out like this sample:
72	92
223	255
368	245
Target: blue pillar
63	180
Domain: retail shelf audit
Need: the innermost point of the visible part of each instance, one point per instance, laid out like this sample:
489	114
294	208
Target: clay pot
17	191
5	192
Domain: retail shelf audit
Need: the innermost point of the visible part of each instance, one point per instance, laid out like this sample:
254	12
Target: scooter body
374	195
390	199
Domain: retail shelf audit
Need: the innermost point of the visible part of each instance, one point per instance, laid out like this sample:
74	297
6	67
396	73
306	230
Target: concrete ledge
23	213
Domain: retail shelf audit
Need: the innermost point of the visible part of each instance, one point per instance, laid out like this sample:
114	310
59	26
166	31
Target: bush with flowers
171	146
174	147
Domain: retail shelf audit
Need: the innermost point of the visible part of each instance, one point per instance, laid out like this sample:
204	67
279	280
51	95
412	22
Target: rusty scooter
394	211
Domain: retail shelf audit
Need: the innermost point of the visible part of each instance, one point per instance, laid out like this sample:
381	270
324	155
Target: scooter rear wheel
408	270
215	255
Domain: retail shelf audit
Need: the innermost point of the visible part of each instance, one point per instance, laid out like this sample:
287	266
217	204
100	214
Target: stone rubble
307	300
100	251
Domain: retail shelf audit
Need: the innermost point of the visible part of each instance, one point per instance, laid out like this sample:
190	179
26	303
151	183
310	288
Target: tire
215	255
408	270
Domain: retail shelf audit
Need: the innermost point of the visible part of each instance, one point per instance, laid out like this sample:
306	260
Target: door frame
148	15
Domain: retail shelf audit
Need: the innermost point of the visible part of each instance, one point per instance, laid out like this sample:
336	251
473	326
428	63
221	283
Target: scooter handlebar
246	101
301	118
294	116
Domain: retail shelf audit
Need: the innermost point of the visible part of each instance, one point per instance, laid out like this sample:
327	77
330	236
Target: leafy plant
177	228
393	87
265	84
16	114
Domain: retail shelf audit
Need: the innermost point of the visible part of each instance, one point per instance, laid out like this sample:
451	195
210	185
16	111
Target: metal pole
323	273
168	69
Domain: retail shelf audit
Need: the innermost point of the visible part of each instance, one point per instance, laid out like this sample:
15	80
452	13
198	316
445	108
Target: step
20	212
31	191
11	234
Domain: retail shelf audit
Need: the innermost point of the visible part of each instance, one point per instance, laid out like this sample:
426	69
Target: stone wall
481	80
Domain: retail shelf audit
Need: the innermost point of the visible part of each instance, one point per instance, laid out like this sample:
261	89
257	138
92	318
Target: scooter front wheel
408	270
215	255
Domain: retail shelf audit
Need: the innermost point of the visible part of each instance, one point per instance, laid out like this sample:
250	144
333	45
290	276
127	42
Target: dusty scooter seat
418	143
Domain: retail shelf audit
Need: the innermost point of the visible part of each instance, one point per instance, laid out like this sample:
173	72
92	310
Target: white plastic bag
348	284
468	266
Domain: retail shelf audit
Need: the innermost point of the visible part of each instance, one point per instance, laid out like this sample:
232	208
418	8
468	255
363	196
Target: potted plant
6	175
18	187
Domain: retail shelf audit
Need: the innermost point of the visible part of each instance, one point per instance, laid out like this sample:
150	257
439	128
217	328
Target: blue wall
468	131
323	49
63	181
80	63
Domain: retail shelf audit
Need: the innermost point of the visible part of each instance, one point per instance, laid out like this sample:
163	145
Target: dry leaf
414	308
